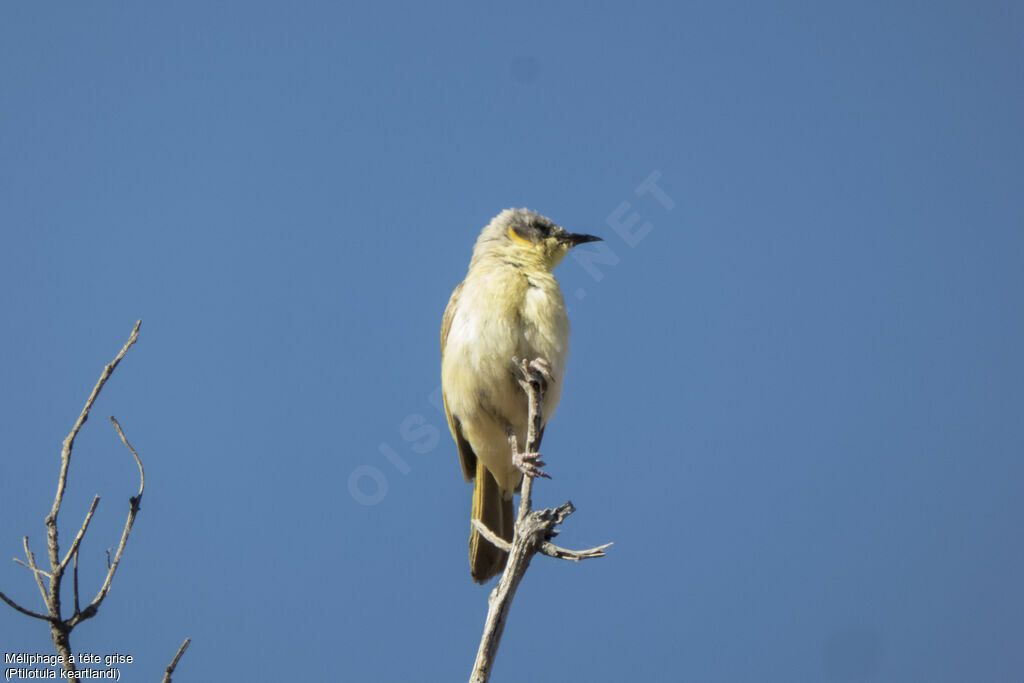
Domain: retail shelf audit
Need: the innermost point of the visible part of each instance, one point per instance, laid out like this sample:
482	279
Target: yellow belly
502	315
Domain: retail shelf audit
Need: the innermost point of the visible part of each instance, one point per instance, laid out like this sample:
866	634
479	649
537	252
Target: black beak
574	238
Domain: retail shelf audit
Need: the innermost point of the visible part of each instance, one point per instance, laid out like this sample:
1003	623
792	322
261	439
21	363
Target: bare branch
534	530
36	571
52	544
142	474
134	504
174	662
491	536
26	565
69	441
78	610
60	628
81	532
551	550
21	609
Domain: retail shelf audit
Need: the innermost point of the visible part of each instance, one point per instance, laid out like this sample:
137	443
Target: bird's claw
530	464
542	368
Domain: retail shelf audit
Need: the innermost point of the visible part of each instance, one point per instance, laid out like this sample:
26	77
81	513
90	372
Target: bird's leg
529	464
536	372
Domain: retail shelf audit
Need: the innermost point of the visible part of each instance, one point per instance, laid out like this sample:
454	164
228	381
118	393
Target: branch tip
174	662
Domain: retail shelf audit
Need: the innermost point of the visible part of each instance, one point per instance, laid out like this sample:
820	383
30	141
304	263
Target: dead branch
60	628
533	533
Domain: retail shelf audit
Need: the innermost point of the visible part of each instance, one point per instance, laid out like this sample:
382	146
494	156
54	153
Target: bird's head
529	237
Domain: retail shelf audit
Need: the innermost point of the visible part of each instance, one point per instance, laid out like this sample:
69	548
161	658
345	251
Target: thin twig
36	571
174	662
81	532
551	550
78	610
494	538
133	509
142	474
23	563
21	609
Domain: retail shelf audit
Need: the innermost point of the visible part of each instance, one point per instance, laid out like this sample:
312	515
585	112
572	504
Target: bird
508	309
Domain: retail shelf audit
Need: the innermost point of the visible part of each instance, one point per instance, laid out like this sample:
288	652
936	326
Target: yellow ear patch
517	238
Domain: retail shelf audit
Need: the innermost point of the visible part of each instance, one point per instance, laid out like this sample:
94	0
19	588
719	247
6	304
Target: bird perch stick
533	533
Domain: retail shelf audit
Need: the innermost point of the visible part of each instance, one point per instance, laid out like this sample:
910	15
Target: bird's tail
492	508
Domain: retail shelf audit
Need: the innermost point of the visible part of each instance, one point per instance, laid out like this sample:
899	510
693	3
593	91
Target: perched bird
509	307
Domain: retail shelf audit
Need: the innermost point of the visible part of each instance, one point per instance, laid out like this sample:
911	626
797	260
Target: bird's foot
537	371
530	464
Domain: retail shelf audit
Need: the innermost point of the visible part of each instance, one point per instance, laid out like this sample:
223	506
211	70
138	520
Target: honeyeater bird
508	308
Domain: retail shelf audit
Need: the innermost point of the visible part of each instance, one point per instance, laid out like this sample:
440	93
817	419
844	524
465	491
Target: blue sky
795	392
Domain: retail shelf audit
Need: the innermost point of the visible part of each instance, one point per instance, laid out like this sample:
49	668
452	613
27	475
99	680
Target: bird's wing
466	454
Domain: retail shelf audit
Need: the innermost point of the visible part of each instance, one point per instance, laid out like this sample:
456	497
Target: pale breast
503	314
